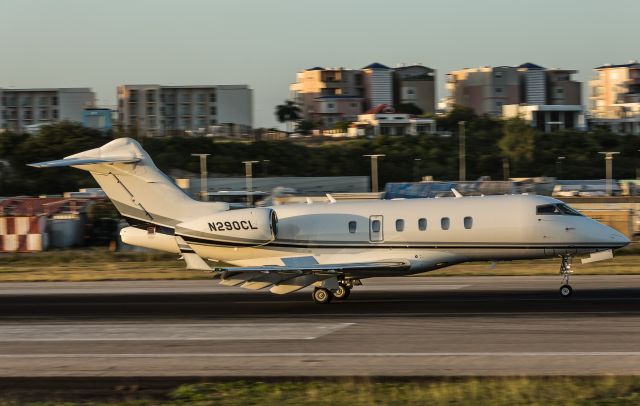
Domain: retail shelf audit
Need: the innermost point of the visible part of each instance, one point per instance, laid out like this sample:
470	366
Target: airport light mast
204	195
248	171
374	171
608	159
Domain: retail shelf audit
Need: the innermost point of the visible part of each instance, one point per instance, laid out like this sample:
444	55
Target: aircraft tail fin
138	189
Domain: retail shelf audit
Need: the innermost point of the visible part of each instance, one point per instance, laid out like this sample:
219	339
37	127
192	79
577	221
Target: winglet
456	193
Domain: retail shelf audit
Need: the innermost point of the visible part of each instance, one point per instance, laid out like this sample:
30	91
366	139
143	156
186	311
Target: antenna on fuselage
456	193
331	199
309	201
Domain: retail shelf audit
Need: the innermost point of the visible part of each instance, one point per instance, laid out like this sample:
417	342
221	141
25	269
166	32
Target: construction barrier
23	234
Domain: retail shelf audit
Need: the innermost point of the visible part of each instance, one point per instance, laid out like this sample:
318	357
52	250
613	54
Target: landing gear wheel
565	271
565	291
322	295
342	293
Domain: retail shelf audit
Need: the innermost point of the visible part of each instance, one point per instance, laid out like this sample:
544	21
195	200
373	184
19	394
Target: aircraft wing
295	274
286	279
322	268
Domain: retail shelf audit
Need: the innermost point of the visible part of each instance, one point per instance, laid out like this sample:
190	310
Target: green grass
93	264
541	391
98	264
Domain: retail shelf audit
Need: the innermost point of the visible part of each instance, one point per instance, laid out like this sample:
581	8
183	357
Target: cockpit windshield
556	209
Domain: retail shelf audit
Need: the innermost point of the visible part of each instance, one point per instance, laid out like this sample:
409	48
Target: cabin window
468	222
352	227
556	209
375	226
400	225
445	223
422	224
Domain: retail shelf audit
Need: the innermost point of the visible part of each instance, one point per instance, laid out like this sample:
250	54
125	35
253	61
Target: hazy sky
99	44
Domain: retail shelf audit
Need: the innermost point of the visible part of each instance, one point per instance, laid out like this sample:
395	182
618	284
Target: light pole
374	171
505	168
462	152
559	166
204	195
608	159
248	173
416	169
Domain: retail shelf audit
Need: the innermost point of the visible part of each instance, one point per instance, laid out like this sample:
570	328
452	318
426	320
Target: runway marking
332	354
69	332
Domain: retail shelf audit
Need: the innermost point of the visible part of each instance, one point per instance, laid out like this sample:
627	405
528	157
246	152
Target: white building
21	109
155	110
383	120
548	117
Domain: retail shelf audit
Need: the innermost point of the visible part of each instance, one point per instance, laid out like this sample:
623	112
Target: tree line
489	142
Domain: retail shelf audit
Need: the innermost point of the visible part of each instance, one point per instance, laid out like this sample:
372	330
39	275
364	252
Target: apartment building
415	84
614	97
549	99
156	110
330	95
25	109
484	89
378	83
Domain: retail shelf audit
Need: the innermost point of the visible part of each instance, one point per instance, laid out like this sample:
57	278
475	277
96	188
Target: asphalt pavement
411	326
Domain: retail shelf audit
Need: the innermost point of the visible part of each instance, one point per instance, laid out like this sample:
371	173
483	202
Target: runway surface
415	326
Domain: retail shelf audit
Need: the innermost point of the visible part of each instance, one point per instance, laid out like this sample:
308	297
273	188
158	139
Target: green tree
305	127
288	113
518	143
409	108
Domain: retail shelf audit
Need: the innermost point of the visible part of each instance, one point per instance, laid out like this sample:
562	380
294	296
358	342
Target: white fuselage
430	233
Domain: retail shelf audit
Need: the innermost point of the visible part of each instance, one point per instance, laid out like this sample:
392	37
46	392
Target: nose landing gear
565	271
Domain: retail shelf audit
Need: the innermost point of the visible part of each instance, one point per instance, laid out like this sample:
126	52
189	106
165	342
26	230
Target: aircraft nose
617	238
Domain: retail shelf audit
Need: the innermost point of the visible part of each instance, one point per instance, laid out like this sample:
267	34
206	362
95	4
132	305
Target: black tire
566	291
342	293
322	295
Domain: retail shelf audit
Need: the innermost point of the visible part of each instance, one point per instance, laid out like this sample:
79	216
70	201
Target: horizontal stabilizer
83	161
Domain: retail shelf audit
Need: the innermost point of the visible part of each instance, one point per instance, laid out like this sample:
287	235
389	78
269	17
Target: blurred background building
549	99
24	110
614	97
327	96
156	110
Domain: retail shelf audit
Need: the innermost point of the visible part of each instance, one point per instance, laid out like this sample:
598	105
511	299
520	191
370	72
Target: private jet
334	246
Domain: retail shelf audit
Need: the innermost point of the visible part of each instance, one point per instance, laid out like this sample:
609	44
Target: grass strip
541	391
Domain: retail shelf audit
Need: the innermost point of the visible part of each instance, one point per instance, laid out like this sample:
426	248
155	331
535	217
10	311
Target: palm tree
288	112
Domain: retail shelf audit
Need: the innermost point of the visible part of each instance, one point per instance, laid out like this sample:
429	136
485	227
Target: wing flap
328	269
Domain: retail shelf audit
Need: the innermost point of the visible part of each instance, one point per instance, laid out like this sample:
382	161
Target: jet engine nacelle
242	227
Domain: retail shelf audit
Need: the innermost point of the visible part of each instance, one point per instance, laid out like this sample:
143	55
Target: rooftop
377	65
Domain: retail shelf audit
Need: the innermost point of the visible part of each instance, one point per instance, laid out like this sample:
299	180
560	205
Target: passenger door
375	229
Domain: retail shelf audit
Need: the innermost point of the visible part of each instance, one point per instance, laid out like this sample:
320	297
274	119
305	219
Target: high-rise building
549	99
155	110
25	109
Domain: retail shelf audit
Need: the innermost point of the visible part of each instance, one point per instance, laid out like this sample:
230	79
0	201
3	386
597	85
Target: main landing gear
324	295
565	271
